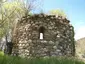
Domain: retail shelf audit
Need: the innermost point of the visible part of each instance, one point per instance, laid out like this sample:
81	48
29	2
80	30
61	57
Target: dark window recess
41	32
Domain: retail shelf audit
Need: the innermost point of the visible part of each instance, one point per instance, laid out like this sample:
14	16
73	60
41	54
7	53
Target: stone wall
58	36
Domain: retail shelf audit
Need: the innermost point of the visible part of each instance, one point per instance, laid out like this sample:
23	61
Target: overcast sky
75	10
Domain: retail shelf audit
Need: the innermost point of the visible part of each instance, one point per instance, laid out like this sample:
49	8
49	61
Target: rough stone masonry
41	35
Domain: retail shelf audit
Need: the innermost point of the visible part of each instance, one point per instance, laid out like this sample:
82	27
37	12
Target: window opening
41	33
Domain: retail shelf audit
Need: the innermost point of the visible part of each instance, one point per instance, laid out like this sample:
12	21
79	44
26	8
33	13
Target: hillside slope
80	48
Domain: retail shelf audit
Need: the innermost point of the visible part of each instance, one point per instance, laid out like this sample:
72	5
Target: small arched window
41	32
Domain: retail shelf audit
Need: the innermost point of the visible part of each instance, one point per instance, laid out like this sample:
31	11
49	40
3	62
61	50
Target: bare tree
15	10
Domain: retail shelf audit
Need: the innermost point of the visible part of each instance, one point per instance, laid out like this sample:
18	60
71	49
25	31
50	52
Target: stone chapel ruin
42	35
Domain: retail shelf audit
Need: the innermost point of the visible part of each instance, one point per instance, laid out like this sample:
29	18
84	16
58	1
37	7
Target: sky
75	11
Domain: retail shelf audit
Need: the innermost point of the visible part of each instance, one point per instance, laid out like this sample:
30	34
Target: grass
5	59
51	60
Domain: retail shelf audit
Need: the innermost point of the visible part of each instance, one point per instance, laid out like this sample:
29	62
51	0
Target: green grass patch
51	60
1	53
